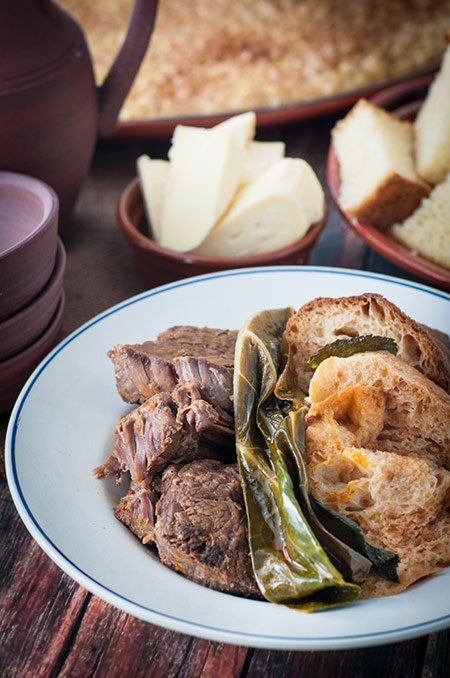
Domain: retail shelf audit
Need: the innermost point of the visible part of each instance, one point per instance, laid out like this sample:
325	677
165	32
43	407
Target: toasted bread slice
379	184
325	320
416	415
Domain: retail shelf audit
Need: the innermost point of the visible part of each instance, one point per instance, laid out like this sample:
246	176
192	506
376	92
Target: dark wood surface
49	625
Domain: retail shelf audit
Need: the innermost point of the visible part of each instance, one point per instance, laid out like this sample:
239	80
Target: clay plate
19	331
376	239
157	265
162	128
15	371
28	238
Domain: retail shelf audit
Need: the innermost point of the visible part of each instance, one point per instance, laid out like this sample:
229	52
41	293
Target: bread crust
319	322
392	201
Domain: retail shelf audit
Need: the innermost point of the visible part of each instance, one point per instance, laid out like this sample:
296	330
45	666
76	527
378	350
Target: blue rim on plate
132	607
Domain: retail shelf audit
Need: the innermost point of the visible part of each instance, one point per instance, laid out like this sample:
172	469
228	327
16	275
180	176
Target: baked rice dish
208	57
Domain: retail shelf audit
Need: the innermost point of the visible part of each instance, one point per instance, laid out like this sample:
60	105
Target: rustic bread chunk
379	184
398	493
415	416
427	230
399	501
325	320
432	128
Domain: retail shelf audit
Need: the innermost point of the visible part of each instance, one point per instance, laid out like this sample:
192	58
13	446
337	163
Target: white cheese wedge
259	157
204	174
268	214
153	175
241	127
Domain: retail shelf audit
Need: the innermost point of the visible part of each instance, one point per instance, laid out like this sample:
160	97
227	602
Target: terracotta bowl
19	331
376	239
28	238
15	371
156	264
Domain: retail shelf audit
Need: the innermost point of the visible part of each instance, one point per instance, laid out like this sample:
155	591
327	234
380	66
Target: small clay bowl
19	331
28	237
156	264
393	98
15	371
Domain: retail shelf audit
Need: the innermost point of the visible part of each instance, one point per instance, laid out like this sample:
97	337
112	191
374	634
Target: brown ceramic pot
15	371
50	110
19	331
157	265
28	239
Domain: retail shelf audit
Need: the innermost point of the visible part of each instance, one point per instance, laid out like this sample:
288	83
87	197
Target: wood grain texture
49	626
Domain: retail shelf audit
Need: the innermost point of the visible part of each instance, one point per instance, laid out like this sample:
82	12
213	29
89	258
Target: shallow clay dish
162	128
19	331
15	371
28	238
157	265
376	239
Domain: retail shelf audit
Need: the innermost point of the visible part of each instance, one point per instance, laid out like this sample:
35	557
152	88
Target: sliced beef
137	511
155	434
182	354
201	526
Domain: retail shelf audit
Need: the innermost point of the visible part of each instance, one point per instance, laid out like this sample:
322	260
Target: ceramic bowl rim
133	191
55	281
46	196
11	363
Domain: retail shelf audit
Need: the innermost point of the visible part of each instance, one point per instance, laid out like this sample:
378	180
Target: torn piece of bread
410	413
379	184
427	230
432	128
399	501
324	320
398	495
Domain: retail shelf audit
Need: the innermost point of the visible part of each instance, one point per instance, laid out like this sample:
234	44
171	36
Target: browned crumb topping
223	55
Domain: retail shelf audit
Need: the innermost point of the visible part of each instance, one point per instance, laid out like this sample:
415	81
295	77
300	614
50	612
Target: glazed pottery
19	331
15	371
162	128
50	110
157	265
28	239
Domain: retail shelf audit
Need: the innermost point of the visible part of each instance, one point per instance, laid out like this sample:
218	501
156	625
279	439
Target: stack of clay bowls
32	264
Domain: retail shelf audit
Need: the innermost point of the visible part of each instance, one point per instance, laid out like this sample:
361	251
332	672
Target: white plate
61	427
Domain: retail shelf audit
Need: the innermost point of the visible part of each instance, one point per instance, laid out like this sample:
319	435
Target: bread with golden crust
324	320
416	411
397	493
379	184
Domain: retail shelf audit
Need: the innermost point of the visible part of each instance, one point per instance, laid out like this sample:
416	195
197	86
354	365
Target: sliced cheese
241	127
204	174
268	214
153	175
259	157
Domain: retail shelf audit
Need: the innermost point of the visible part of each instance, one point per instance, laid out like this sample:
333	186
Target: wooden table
51	626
